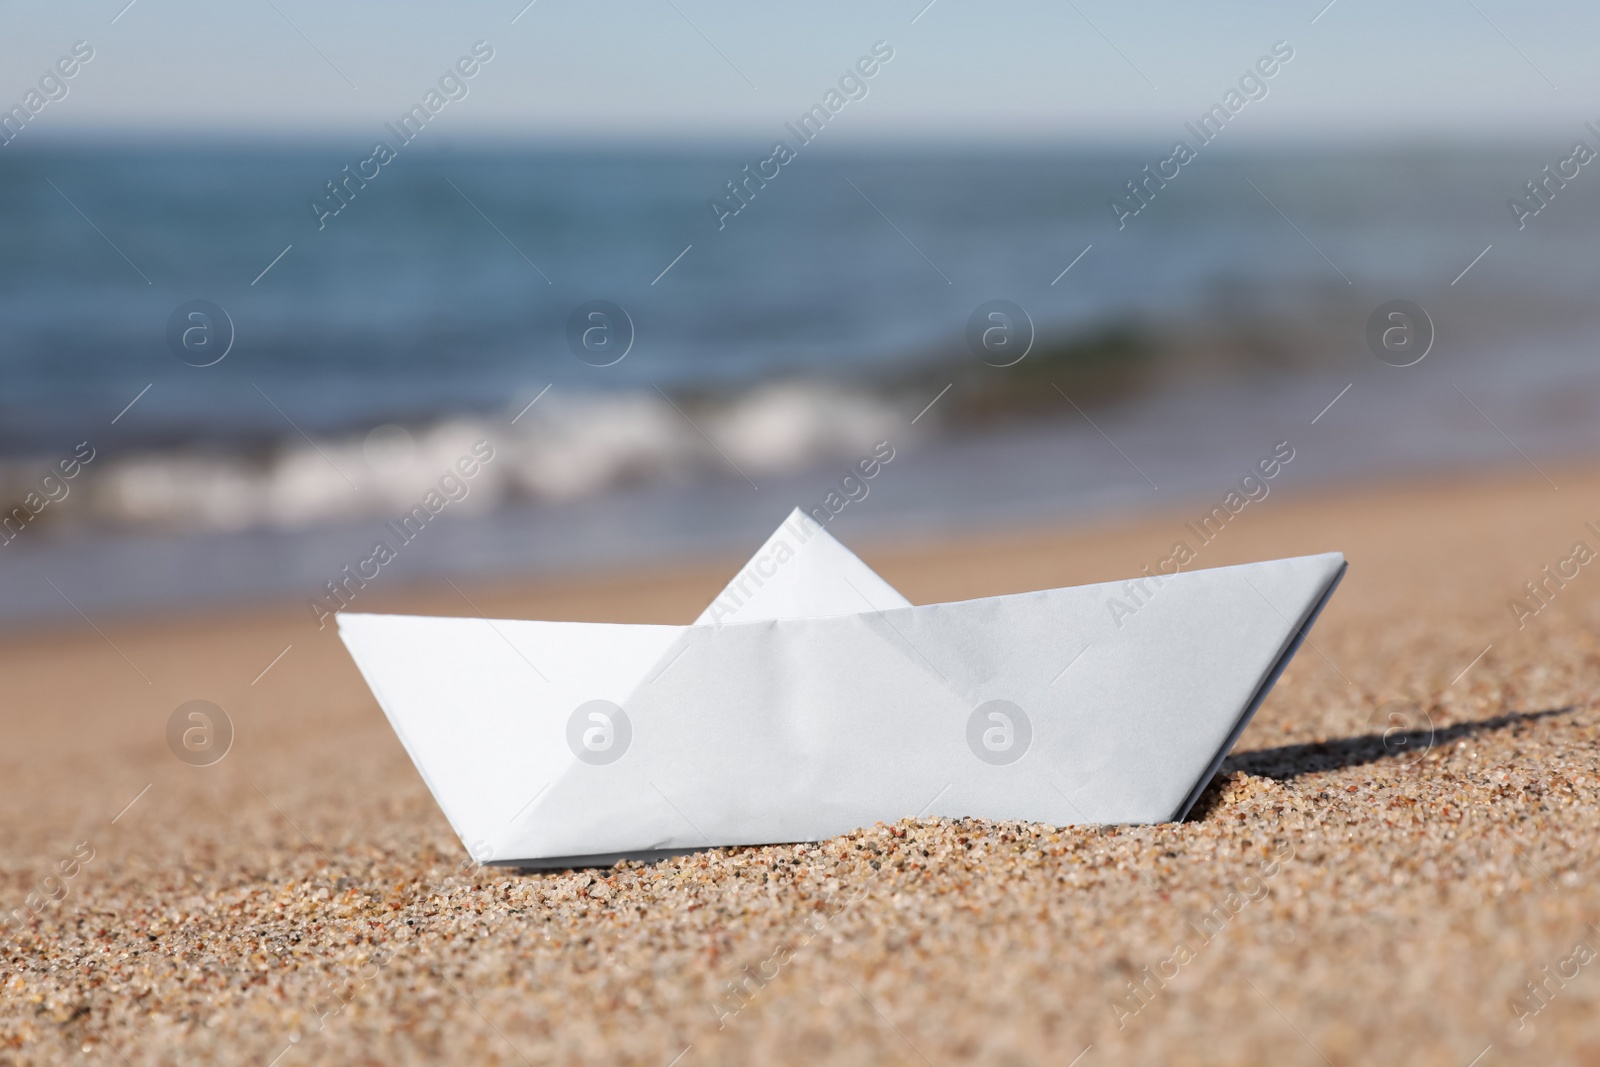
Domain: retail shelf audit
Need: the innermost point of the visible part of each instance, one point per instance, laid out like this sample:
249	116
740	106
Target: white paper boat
811	698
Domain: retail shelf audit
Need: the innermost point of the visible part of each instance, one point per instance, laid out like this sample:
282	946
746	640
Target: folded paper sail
810	698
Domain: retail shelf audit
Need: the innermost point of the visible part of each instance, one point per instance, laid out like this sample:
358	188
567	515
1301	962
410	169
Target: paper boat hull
1107	703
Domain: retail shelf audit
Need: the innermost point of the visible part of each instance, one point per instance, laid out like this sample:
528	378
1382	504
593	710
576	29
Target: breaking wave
561	447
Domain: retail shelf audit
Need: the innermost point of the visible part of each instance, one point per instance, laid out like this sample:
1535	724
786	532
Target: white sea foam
567	445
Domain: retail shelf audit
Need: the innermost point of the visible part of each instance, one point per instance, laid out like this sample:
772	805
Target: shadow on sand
1291	761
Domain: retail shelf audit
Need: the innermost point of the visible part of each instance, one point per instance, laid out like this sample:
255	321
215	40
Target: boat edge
1261	695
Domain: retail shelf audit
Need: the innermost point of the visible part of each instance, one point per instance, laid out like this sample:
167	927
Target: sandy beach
1337	898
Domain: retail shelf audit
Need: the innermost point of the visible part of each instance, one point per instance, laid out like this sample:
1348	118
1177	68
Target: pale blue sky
666	69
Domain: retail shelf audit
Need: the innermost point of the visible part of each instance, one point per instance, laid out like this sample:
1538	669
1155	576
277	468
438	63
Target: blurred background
270	271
